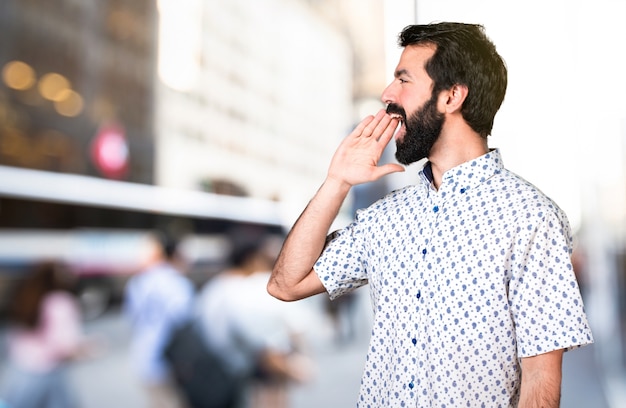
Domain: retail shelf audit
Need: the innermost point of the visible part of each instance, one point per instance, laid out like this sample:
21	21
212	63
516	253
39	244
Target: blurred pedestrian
469	270
45	334
156	301
254	333
342	314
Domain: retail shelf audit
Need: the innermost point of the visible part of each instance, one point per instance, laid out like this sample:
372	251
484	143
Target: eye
402	81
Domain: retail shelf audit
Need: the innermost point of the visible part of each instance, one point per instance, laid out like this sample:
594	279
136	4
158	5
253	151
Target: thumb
388	168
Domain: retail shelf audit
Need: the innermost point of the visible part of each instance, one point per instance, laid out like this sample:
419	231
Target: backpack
201	374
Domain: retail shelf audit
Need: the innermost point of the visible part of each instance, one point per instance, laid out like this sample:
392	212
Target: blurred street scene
106	380
122	120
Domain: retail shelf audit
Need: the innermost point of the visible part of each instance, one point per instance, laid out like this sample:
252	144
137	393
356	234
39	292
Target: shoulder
161	278
521	191
60	298
220	286
526	202
60	303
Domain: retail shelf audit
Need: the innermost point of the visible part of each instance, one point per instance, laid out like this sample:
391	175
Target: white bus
101	228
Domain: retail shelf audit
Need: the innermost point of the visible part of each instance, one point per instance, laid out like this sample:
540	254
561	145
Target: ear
454	98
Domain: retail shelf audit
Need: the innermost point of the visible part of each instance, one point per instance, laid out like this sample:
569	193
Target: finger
371	127
388	169
358	130
384	125
389	131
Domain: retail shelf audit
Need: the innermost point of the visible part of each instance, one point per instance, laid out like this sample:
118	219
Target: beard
423	128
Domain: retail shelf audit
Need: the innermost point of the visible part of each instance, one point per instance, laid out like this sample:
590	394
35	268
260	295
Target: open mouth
399	132
397	116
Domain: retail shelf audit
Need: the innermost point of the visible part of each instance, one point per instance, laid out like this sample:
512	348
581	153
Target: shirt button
411	385
414	341
463	190
419	294
424	251
436	208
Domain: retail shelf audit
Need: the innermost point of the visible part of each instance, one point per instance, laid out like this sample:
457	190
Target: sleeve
342	267
544	296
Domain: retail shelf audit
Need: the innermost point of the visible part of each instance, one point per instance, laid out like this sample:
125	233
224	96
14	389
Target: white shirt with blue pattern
464	281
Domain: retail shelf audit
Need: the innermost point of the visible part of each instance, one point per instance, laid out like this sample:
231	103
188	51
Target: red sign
109	151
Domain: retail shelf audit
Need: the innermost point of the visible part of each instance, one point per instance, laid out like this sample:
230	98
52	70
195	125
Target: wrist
336	185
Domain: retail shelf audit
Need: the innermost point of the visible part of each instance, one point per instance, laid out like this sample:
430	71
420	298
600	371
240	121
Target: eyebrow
401	72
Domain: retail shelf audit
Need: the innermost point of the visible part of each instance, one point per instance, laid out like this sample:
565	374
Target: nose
388	96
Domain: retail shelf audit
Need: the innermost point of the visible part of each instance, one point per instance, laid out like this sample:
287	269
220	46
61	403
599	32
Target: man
156	301
472	287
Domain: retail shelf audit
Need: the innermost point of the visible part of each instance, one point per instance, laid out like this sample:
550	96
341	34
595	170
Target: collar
466	175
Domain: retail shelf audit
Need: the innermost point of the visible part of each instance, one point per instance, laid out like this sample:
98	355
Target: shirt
156	301
58	336
464	281
239	319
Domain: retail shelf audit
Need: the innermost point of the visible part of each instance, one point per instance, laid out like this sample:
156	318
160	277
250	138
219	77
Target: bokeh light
68	103
53	86
18	75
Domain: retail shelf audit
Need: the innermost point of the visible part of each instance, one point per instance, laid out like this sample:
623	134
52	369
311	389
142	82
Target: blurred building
258	93
187	94
220	96
77	90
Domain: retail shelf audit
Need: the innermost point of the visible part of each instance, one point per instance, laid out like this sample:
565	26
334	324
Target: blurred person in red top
45	333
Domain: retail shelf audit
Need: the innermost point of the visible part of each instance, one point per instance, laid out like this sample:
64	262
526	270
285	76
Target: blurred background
122	117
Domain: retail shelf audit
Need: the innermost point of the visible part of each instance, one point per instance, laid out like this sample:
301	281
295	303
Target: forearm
541	381
291	277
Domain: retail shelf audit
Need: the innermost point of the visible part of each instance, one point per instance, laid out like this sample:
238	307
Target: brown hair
45	277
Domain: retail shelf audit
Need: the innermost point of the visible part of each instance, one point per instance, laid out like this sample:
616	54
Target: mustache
395	108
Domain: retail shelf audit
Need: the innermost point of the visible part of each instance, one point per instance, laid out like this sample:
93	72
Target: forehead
414	58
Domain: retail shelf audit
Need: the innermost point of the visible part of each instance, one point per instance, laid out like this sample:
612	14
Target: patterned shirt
464	281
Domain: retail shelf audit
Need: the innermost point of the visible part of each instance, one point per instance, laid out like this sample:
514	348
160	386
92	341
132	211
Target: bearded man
474	295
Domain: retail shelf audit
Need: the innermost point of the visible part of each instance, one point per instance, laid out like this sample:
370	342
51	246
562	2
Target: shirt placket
423	302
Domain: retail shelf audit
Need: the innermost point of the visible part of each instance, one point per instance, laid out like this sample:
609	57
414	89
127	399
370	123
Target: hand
356	158
302	369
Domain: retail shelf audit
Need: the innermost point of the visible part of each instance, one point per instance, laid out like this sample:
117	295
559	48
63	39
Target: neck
250	267
455	146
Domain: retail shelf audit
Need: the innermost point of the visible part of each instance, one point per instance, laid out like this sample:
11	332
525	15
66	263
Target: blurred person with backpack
253	333
156	301
44	335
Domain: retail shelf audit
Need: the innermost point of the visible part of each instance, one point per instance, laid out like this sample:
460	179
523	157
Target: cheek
414	102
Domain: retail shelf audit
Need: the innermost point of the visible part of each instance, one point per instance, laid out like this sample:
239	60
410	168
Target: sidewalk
107	381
